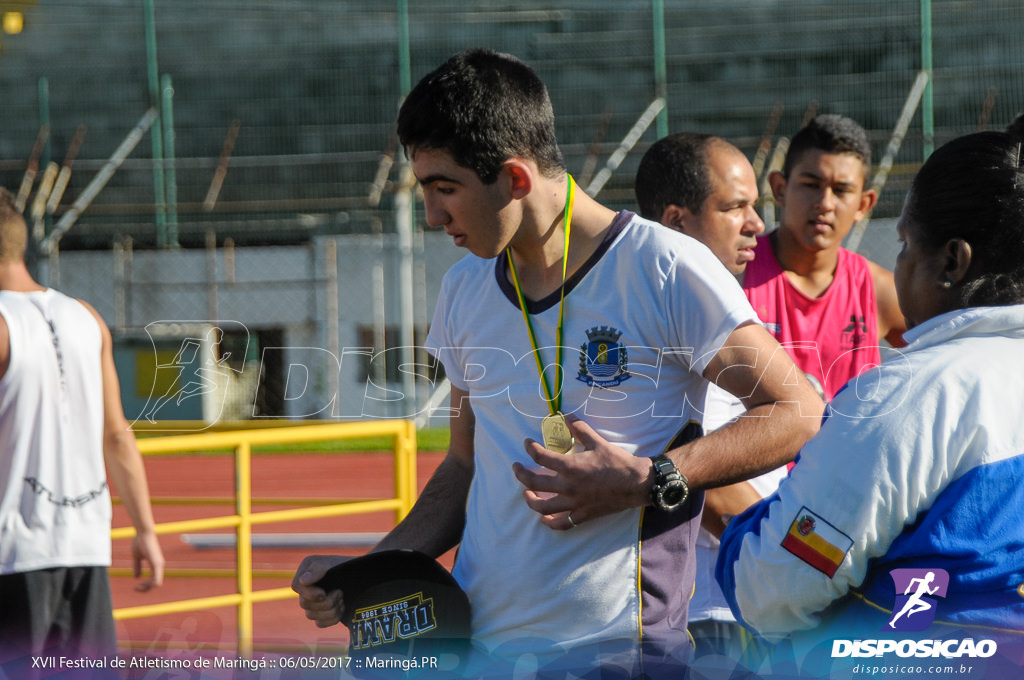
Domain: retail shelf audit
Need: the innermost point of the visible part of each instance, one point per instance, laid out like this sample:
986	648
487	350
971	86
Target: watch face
674	493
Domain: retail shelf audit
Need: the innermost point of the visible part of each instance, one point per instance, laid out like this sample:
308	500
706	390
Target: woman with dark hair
903	518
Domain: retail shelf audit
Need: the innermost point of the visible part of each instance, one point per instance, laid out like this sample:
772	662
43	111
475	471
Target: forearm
782	413
435	523
128	475
604	478
764	438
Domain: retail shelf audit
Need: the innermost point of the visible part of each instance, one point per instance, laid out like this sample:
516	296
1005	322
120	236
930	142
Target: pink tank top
832	338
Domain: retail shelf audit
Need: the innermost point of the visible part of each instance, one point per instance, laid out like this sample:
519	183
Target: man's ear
676	217
868	199
958	260
520	176
777	181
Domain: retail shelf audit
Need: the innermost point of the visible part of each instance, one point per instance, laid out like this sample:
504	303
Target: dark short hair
832	134
1016	126
483	108
972	188
674	171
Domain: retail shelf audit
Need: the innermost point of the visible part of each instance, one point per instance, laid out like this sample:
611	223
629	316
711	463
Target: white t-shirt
642	320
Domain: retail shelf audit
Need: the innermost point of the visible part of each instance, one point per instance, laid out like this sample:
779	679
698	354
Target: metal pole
660	69
927	107
120	285
212	294
895	141
222	166
31	169
44	118
404	226
37	211
49	177
243	546
170	176
404	61
405	223
625	146
765	146
65	172
775	162
90	192
157	137
379	369
333	314
53	272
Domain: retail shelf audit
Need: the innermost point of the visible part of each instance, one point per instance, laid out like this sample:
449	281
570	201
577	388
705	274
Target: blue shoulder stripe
747	522
975	532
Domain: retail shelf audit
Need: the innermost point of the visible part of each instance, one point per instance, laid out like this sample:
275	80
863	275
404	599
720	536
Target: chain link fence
257	209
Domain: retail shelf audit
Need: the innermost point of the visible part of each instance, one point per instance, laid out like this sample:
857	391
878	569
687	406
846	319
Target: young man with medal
579	343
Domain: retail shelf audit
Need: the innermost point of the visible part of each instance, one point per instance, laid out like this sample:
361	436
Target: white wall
285	288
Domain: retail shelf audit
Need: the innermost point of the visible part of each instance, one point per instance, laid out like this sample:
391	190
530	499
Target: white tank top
55	505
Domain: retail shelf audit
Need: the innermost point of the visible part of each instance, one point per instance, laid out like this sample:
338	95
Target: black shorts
53	612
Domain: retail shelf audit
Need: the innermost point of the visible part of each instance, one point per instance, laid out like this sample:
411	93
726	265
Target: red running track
277	626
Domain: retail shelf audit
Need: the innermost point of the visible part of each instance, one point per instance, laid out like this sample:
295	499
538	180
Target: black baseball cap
400	602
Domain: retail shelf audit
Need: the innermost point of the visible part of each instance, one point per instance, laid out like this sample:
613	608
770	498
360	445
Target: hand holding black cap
398	600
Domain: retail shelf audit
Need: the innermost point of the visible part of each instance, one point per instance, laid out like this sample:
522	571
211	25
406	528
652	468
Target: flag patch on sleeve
817	542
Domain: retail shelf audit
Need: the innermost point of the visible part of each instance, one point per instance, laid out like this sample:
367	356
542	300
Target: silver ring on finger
572	524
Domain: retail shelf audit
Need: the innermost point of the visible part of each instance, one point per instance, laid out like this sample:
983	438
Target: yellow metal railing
404	433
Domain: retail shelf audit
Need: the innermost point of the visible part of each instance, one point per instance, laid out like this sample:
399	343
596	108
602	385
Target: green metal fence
275	116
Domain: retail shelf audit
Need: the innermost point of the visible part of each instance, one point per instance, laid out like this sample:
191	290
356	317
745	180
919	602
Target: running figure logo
915	609
201	376
198	376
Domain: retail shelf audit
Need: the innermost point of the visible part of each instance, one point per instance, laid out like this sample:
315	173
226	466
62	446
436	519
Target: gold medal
554	430
556	434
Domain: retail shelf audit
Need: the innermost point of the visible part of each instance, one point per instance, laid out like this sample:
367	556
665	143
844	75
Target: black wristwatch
670	486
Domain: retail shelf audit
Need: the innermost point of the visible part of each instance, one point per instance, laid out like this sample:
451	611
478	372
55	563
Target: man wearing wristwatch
593	335
703	186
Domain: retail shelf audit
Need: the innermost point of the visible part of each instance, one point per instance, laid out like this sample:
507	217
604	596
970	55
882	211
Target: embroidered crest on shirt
603	358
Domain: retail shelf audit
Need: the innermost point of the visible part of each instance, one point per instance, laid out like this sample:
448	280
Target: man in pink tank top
828	306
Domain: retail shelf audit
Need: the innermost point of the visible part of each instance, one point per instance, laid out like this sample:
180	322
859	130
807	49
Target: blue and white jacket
918	466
